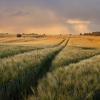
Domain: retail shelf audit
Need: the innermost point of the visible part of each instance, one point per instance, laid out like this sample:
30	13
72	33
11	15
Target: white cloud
77	21
78	26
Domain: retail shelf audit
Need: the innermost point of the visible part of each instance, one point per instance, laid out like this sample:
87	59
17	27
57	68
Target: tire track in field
86	58
43	70
82	59
46	68
59	43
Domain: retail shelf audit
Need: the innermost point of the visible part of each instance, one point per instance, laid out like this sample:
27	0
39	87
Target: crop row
6	51
10	51
72	55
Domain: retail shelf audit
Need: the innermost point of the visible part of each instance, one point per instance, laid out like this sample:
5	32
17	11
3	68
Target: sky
49	16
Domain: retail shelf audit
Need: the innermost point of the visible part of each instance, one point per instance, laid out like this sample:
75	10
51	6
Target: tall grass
18	73
72	55
10	50
78	81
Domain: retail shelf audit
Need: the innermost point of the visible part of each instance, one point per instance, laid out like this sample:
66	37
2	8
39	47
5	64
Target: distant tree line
35	35
91	34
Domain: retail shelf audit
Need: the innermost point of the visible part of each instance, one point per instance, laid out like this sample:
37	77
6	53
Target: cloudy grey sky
49	16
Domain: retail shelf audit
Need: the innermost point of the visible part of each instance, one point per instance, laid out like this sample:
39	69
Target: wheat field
50	68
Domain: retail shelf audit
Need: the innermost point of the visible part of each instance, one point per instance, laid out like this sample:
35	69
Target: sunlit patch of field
85	41
30	40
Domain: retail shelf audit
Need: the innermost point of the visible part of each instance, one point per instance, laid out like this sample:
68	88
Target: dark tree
19	35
